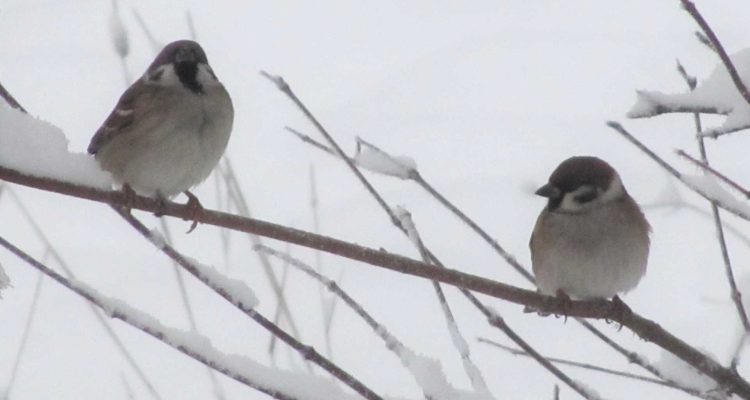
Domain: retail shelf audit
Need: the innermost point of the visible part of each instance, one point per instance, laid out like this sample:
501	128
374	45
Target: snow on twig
276	383
427	372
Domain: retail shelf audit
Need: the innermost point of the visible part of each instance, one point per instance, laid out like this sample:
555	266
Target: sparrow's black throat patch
188	74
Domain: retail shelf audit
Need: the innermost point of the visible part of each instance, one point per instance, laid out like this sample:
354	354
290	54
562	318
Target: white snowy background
487	97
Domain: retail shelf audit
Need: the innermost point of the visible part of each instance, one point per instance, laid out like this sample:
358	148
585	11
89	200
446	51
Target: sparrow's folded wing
125	113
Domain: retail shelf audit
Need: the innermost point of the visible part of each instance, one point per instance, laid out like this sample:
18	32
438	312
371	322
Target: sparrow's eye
585	194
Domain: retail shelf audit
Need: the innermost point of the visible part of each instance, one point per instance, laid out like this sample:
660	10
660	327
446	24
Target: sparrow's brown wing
125	112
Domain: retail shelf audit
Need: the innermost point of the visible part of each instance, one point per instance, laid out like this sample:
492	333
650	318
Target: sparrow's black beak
549	191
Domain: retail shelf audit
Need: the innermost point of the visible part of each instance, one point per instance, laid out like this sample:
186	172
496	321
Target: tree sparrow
169	129
592	239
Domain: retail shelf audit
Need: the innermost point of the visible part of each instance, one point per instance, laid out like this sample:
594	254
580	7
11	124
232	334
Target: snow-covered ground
486	98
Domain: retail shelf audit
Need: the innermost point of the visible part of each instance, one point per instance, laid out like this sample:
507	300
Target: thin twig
218	391
307	352
716	45
155	45
136	322
392	343
278	313
582	365
68	272
26	332
5	95
237	195
711	170
728	271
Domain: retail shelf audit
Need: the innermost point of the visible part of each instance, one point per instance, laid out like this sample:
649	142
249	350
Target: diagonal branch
307	352
645	328
128	316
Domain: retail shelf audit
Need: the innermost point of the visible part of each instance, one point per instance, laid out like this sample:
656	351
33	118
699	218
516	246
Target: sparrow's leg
621	310
161	205
567	303
129	194
195	207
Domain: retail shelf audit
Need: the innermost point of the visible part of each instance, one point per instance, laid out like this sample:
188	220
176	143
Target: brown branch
125	316
716	45
647	329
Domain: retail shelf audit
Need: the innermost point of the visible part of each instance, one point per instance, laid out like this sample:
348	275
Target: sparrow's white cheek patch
163	76
206	76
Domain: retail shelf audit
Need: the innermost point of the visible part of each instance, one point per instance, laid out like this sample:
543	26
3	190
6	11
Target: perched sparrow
170	128
591	240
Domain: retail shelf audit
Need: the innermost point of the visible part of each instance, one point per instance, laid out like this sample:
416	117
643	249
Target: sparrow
591	240
170	127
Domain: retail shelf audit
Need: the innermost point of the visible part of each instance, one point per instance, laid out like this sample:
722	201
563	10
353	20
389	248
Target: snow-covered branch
239	295
272	382
427	372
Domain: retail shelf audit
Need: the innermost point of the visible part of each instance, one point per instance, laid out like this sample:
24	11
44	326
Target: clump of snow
679	371
374	159
404	217
292	384
430	377
236	288
4	281
38	148
710	187
717	94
